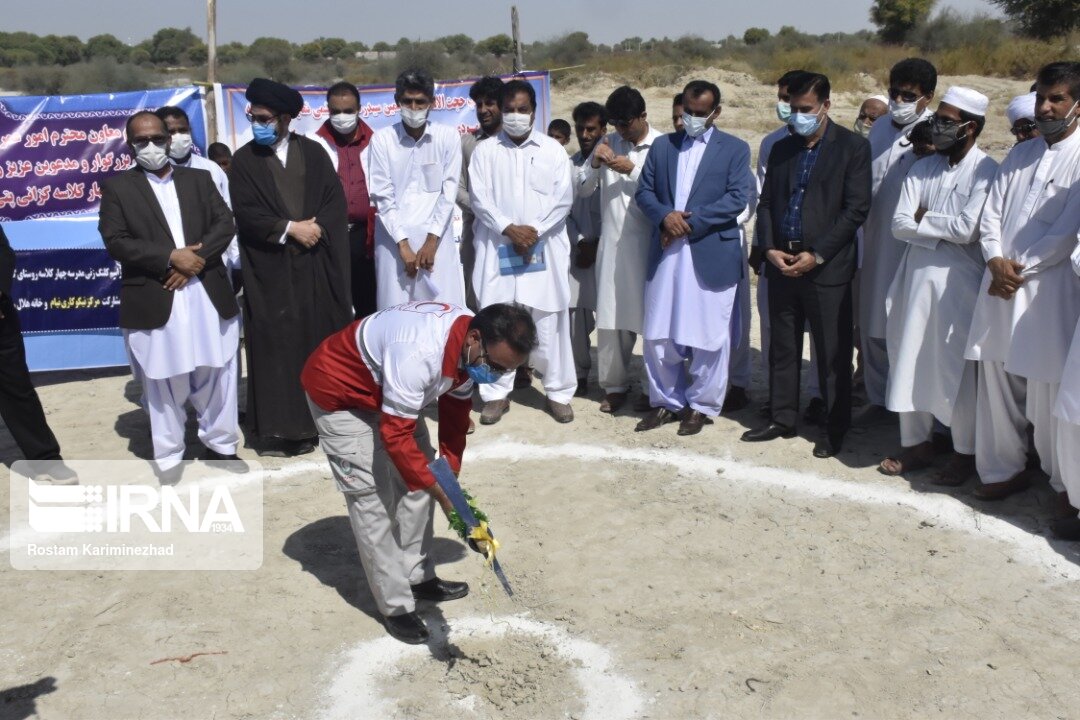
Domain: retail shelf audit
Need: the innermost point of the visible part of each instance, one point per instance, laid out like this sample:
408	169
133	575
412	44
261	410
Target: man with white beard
1029	301
932	298
521	191
911	88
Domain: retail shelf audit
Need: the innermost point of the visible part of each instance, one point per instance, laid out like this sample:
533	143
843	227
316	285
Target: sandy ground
656	577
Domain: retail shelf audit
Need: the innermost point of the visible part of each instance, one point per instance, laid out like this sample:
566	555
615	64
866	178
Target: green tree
66	50
169	44
310	52
896	18
630	44
1043	18
334	48
197	54
455	44
106	46
231	53
497	45
381	47
755	36
274	54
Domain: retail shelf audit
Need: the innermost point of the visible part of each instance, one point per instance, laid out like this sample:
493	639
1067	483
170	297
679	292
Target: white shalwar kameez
1032	216
413	185
1067	411
622	258
191	357
583	223
685	321
891	157
528	184
933	295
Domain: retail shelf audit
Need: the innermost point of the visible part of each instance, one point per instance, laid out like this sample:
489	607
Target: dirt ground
656	577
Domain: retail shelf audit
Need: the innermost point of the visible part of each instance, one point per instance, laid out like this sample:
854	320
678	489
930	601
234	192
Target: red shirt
338	377
351	173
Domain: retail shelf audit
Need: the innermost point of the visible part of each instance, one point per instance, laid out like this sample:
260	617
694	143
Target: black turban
279	98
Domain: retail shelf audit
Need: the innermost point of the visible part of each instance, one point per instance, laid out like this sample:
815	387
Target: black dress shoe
642	404
1067	528
408	628
736	399
693	421
582	388
768	432
232	463
656	418
828	447
437	590
816	412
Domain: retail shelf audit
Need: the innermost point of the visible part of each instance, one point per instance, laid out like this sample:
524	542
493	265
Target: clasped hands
789	265
422	259
522	237
184	263
1005	278
603	154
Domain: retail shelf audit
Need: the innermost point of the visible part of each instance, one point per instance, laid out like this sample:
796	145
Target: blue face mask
264	134
481	374
805	124
783	110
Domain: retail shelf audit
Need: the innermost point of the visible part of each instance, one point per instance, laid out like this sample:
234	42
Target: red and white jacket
397	362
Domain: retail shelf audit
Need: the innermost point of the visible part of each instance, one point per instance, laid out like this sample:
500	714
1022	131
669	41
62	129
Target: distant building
376	55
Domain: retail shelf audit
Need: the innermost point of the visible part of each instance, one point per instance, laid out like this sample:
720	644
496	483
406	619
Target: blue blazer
718	196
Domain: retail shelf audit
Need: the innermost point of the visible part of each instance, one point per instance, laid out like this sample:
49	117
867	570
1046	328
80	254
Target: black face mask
1051	129
946	135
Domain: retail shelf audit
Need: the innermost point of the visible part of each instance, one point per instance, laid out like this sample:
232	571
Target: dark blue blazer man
688	315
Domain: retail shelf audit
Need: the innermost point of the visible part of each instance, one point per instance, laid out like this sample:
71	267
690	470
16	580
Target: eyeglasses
941	124
261	119
494	367
867	116
624	122
905	95
1023	128
143	142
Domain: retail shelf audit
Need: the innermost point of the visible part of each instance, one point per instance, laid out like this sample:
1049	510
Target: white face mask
904	113
694	126
517	124
344	123
180	147
152	157
413	118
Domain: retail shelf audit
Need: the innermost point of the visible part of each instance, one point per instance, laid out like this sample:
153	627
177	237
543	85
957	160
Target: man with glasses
367	386
912	83
292	221
873	108
933	296
168	227
415	171
1021	115
622	259
1029	301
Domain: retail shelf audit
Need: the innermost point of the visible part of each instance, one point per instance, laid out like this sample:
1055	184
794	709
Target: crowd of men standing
954	277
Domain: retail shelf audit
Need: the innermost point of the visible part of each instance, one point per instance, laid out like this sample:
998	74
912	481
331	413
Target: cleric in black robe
292	225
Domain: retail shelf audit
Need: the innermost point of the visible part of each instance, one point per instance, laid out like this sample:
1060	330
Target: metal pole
519	60
211	69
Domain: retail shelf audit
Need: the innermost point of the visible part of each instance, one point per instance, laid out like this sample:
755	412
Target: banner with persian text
56	151
452	107
65	290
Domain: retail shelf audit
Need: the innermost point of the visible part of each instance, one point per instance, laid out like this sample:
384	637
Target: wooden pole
519	58
211	69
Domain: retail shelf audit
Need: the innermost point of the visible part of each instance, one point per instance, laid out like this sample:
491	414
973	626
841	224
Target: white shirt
403	347
625	235
528	184
891	159
1032	216
195	334
933	296
1068	402
413	184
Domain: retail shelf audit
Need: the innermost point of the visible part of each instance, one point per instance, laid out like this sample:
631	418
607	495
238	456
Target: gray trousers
582	321
392	526
614	349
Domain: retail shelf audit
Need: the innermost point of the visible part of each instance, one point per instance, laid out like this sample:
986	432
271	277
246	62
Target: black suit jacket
836	203
136	233
7	264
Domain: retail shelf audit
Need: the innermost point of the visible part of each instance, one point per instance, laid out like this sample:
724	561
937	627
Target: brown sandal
909	460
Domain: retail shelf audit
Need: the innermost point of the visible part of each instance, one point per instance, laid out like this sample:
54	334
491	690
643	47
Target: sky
301	20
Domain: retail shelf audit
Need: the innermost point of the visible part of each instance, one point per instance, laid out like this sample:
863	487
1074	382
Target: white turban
1022	106
966	99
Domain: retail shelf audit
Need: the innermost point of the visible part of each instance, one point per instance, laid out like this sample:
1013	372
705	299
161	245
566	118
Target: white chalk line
945	510
354	691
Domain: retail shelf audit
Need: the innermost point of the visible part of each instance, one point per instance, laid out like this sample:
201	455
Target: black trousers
20	407
363	272
793	302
